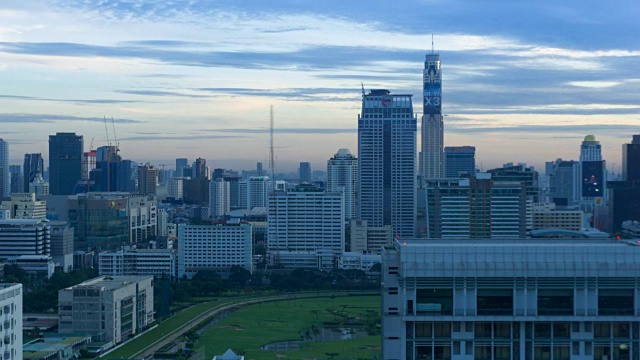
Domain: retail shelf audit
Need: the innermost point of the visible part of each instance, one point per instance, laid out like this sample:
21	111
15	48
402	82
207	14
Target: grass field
251	327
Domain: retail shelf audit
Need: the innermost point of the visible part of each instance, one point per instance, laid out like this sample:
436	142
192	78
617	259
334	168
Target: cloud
326	131
79	101
180	137
594	84
541	128
49	118
160	93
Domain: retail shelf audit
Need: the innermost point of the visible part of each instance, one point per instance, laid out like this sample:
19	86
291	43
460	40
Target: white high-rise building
25	206
160	263
11	312
24	237
176	186
214	247
305	219
342	176
433	159
39	186
219	198
5	178
254	192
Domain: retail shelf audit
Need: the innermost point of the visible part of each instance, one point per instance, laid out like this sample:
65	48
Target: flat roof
515	242
110	282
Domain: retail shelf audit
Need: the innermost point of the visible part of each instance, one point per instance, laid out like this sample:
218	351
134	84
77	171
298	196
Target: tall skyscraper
16	179
219	198
459	160
181	163
342	176
65	162
5	177
593	168
386	162
432	124
33	165
259	170
631	160
147	179
200	169
305	172
564	182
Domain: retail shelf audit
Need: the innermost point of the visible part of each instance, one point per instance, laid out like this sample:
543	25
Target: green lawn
251	327
164	328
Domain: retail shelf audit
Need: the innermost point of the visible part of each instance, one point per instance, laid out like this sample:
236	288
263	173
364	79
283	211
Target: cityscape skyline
216	70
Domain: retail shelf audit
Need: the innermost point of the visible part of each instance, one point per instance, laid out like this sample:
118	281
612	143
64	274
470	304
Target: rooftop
110	282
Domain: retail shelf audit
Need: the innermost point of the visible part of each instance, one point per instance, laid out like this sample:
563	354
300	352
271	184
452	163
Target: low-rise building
547	216
62	245
631	229
25	206
369	239
55	347
24	237
39	265
113	308
160	263
511	299
358	261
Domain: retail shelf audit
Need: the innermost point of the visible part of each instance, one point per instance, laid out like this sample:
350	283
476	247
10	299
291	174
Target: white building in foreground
11	315
160	263
511	299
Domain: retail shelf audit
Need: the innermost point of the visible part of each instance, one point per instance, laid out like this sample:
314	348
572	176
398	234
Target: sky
523	81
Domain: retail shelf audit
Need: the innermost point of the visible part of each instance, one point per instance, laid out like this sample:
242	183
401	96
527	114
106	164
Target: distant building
181	163
631	160
25	206
214	247
219	198
196	191
432	165
176	188
61	245
199	169
16	179
113	308
631	229
593	169
547	216
65	162
366	239
358	261
510	299
254	192
305	172
32	166
147	180
459	160
5	174
478	207
342	176
160	263
11	311
305	219
24	237
38	265
39	186
387	161
564	182
624	196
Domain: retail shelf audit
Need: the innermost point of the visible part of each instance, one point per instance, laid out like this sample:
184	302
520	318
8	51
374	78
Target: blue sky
522	80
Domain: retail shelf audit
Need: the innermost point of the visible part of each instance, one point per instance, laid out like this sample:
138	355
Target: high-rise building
65	162
24	237
254	192
459	160
305	219
259	170
219	198
38	186
25	206
11	303
33	165
5	175
147	179
564	182
234	190
433	161
386	162
593	169
88	163
631	160
478	207
342	176
62	245
17	181
199	169
181	163
305	172
176	188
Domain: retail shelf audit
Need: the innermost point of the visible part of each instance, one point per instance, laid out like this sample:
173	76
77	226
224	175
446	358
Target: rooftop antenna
362	84
432	48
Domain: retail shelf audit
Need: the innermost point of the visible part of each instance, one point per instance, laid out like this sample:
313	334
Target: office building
386	162
25	206
366	239
214	247
254	192
433	161
234	190
39	186
11	311
147	179
160	263
182	163
478	207
593	169
24	237
459	160
195	191
342	176
547	216
176	188
112	308
305	172
16	178
219	198
259	170
106	221
631	160
199	169
305	219
65	162
40	267
358	261
510	299
61	243
32	167
5	175
564	182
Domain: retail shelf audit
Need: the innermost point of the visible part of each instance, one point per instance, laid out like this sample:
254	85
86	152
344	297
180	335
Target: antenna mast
272	163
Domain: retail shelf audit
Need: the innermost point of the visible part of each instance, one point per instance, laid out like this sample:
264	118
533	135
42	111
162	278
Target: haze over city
522	81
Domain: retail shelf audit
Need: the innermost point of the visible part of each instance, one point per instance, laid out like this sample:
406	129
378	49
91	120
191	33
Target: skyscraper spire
432	160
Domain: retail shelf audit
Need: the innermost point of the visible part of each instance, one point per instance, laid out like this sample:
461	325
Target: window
615	302
555	302
434	301
495	302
